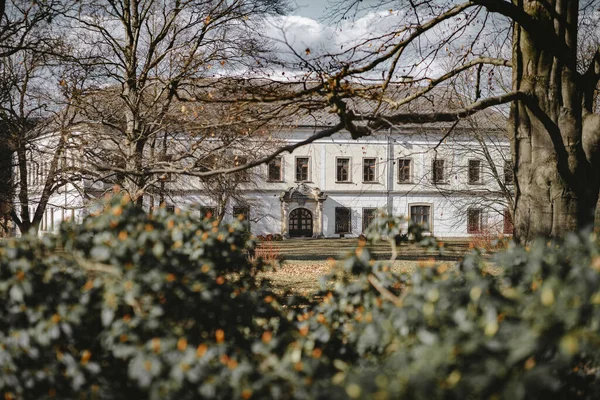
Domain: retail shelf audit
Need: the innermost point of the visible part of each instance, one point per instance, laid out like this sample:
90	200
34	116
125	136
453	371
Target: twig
394	249
97	267
384	292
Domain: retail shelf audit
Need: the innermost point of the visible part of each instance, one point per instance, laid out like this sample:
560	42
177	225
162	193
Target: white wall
448	203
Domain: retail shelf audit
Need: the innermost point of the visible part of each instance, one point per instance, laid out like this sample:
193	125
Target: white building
333	187
458	183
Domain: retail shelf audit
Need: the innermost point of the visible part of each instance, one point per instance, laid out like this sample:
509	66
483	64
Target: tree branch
447	116
435	82
544	37
263	160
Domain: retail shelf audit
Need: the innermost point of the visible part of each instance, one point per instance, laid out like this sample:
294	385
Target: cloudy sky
310	26
314	9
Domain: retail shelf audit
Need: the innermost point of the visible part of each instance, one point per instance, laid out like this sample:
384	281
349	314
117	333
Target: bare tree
23	29
37	119
480	175
480	163
142	53
231	148
23	24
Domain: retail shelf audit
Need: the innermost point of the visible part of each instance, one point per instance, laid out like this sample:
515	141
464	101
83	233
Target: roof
231	103
305	104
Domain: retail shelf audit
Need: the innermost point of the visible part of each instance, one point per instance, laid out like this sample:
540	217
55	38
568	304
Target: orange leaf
201	350
220	336
182	344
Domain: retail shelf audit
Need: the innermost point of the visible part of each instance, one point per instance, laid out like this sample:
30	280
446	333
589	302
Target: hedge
163	306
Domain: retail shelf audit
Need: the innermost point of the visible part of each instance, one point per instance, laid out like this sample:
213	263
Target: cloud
367	36
300	33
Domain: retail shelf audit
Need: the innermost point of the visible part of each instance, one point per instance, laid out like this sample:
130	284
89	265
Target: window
243	214
208	212
170	209
343	220
243	175
404	172
369	169
438	171
342	173
474	171
302	169
509	175
368	217
421	215
508	222
274	170
241	211
474	220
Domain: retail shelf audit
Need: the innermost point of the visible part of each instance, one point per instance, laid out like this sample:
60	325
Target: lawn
323	249
304	277
306	261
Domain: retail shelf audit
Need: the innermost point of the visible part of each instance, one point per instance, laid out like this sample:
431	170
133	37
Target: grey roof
439	99
308	110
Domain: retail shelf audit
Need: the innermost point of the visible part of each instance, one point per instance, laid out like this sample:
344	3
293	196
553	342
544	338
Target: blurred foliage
162	306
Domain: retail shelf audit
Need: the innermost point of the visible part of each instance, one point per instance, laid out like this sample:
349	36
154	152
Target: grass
322	249
304	277
306	261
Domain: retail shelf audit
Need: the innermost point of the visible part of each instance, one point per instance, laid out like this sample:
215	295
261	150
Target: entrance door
300	223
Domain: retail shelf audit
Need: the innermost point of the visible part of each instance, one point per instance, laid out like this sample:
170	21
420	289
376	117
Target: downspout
390	172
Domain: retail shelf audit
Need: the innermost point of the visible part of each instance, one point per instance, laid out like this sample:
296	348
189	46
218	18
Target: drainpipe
390	172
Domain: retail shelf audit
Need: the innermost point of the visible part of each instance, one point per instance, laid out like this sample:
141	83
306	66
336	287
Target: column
318	227
285	208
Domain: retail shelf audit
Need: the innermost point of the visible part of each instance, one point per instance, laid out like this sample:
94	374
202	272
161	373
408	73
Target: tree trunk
135	180
23	221
556	184
6	182
221	208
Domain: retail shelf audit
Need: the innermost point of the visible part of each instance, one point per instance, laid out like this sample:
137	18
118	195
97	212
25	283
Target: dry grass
306	261
303	277
322	249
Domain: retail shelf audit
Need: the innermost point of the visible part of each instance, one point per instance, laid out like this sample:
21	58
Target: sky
310	26
313	9
310	32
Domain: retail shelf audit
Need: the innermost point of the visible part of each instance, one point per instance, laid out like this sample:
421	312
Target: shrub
488	240
530	331
267	253
48	323
137	306
164	306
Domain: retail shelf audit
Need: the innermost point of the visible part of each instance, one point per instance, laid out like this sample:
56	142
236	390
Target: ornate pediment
302	193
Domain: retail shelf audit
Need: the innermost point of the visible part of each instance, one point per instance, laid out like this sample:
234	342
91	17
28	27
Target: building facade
458	185
333	187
